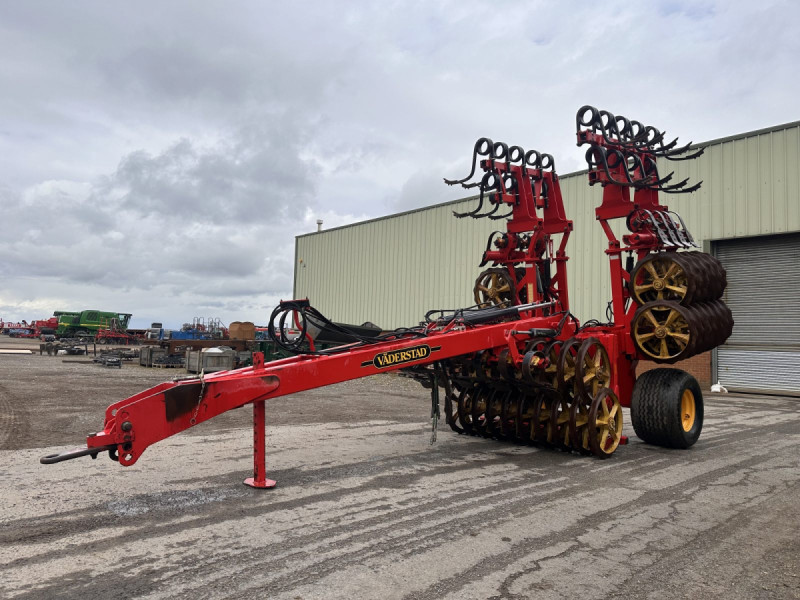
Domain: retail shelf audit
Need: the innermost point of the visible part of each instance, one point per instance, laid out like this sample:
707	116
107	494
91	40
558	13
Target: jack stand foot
267	484
259	478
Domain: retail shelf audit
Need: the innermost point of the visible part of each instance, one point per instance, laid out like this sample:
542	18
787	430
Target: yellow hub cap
687	410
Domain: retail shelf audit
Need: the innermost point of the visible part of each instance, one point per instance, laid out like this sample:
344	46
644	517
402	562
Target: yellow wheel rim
688	410
662	331
660	278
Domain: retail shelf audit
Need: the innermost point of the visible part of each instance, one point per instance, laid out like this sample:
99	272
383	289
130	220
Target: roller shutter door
763	353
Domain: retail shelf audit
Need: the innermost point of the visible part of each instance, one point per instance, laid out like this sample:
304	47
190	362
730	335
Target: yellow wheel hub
688	410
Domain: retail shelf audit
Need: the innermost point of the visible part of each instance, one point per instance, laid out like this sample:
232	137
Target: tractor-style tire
667	408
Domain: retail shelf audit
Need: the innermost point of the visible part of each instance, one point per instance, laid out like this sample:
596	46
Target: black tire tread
655	408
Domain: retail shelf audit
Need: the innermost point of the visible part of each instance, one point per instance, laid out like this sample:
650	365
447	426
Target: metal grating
762	293
758	370
763	279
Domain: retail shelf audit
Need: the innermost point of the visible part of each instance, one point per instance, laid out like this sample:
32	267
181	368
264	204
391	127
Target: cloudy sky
159	157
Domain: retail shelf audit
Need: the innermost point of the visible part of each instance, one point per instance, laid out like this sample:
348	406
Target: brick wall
699	366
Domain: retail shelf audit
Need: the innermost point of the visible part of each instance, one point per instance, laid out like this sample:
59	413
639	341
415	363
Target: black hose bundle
289	328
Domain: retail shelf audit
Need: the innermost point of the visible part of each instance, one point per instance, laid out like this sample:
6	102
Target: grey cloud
165	154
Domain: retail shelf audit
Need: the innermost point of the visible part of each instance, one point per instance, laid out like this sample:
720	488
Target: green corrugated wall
392	270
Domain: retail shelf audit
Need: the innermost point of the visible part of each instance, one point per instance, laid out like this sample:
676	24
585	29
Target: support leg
259	478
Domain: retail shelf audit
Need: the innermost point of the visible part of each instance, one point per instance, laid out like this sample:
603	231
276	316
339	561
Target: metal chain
193	420
435	413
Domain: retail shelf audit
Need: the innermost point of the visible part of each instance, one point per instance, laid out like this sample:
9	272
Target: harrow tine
500	151
685	229
668	228
593	121
516	155
688	190
488	182
673	187
676	231
638	131
683	232
662	235
665	147
472	213
654	183
533	159
673	155
626	130
483	147
490	213
595	163
500	217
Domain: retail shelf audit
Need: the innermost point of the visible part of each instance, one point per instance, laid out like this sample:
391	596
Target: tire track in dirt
398	545
385	512
13	422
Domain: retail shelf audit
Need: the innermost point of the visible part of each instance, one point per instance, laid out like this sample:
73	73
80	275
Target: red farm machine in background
517	366
34	329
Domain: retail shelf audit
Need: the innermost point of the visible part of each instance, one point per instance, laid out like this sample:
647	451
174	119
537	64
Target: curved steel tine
592	122
609	127
659	219
658	183
533	159
509	183
505	216
516	155
494	198
666	147
637	132
662	234
686	232
673	150
666	179
484	183
591	156
546	194
637	166
491	212
626	130
483	147
471	213
596	157
680	233
674	186
652	137
688	190
673	154
547	161
623	160
651	168
500	151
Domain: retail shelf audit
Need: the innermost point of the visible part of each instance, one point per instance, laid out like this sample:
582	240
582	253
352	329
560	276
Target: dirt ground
366	507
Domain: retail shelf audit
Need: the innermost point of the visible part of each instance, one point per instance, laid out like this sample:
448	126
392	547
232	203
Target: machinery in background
88	323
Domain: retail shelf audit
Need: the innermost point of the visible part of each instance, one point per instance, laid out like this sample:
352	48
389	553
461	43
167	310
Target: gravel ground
366	507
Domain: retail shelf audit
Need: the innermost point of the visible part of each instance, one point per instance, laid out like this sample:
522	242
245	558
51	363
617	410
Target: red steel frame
137	422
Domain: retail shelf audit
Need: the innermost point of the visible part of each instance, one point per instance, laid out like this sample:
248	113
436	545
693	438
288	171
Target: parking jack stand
259	478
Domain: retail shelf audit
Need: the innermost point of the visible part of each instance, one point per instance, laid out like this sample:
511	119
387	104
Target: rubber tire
656	408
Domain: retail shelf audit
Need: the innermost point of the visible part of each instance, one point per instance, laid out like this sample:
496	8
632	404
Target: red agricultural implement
111	336
518	365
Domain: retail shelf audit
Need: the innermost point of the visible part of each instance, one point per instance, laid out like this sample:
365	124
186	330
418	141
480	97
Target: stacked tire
680	312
